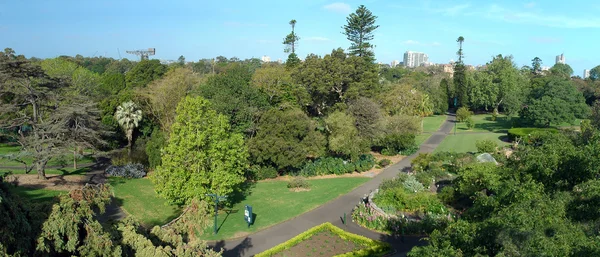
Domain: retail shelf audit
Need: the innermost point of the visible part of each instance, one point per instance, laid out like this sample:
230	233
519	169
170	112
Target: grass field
273	202
433	123
466	142
484	123
66	160
419	139
36	195
62	171
137	197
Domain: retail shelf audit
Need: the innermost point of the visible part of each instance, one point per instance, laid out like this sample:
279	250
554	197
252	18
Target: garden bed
328	240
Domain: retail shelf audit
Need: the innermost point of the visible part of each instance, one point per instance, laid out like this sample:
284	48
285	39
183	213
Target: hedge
515	133
374	248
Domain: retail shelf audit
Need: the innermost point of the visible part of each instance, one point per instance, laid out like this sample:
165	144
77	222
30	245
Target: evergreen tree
291	40
359	30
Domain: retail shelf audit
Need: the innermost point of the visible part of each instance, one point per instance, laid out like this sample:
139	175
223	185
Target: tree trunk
75	159
40	168
129	139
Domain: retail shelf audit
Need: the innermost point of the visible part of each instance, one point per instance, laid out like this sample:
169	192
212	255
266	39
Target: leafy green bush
401	201
395	143
264	172
470	123
447	195
154	146
412	185
332	165
298	182
425	178
421	162
462	114
486	146
384	162
524	133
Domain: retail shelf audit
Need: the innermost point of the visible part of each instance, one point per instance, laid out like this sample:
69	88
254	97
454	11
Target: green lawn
484	123
420	139
466	142
433	123
66	160
273	202
62	171
36	195
138	198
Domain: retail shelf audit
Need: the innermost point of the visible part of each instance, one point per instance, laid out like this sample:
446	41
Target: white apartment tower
265	58
394	63
560	59
586	74
415	59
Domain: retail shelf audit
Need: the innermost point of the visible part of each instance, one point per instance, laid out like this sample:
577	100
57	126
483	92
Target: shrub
131	170
447	195
264	172
470	123
424	178
384	162
462	114
298	182
331	165
495	115
486	146
395	143
154	146
524	133
412	185
402	201
421	162
391	183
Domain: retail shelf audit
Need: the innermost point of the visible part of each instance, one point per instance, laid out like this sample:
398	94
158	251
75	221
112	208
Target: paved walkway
333	211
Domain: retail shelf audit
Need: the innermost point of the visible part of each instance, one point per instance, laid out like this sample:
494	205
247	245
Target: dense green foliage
540	202
202	155
331	165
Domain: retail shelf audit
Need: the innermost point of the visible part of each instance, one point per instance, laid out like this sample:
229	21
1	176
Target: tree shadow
240	195
403	244
237	251
225	219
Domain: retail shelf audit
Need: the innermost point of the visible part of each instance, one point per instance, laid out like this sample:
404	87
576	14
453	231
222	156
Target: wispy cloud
338	7
540	19
453	10
410	42
316	39
436	44
529	5
243	24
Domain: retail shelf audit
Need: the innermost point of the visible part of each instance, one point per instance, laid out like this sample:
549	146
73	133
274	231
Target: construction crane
143	53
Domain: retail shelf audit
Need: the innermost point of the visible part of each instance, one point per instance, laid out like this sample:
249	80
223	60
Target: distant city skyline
232	28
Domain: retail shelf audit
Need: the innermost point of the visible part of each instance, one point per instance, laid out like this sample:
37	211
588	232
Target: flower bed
366	216
331	240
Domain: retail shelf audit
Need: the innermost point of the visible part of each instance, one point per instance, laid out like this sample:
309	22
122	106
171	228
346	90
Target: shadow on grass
504	138
240	195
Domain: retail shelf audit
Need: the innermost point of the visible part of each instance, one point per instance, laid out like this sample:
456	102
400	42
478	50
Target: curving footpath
334	210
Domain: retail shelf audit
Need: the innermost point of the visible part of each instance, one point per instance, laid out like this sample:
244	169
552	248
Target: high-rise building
560	59
394	63
414	59
265	58
586	74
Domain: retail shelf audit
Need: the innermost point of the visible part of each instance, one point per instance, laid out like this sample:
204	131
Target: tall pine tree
359	30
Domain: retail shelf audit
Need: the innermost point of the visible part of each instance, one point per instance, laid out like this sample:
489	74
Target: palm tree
128	115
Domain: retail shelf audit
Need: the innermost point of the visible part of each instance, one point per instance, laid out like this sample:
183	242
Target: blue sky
205	29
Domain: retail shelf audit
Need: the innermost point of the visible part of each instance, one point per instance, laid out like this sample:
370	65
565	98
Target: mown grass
66	160
433	123
138	198
273	203
463	143
36	195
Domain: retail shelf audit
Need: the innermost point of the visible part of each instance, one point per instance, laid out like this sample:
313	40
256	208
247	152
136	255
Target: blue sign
248	214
